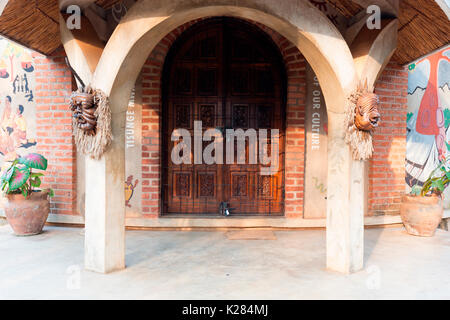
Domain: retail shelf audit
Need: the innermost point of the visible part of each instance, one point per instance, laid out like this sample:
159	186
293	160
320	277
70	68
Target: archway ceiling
424	27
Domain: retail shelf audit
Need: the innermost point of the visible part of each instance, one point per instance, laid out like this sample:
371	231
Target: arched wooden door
229	75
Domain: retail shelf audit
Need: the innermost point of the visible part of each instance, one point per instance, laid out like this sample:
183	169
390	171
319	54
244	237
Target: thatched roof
424	27
35	24
32	23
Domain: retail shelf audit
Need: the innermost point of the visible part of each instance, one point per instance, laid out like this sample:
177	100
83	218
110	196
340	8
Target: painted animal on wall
129	189
428	119
17	107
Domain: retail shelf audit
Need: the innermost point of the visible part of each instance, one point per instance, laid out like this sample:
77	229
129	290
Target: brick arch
144	26
299	21
151	75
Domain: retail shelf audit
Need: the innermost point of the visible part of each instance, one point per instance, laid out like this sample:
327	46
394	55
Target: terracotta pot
27	216
421	215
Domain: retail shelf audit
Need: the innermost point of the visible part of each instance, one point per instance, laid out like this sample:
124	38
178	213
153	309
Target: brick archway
151	75
139	32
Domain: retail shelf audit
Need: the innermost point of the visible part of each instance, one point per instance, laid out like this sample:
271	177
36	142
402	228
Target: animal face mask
83	109
367	116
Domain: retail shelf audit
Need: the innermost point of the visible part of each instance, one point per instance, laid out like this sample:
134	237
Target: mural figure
6	128
13	130
17	110
428	116
20	130
129	189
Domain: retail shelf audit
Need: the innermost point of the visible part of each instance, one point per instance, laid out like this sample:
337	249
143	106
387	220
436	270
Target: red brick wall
151	111
53	129
53	123
295	136
295	65
387	168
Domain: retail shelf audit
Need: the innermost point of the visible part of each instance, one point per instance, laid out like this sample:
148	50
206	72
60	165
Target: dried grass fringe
360	142
96	145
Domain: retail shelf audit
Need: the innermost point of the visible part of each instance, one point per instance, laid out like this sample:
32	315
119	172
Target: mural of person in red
430	119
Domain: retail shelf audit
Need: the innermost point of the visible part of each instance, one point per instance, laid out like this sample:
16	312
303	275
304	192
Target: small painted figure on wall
129	189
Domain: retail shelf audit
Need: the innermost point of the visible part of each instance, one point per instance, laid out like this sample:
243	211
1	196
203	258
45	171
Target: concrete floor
206	265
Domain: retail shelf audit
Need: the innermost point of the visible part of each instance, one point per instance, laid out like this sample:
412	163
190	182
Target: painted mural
133	155
17	107
428	119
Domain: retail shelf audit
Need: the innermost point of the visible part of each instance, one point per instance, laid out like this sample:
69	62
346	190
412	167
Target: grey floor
206	265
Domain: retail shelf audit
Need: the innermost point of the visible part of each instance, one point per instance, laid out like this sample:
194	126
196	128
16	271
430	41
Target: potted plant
422	210
26	206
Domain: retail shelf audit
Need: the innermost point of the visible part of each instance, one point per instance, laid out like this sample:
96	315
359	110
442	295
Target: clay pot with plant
422	210
26	206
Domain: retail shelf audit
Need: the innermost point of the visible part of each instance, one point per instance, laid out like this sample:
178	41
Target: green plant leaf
19	178
7	174
35	174
51	193
24	191
34	160
36	182
438	184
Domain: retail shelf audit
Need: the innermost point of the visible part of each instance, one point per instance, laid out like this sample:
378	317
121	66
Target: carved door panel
195	94
225	75
193	188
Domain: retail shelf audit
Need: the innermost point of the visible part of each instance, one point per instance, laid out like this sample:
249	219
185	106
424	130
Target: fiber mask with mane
83	109
362	119
91	119
367	116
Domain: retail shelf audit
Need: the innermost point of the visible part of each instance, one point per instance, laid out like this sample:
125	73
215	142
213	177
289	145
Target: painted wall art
428	119
17	105
133	154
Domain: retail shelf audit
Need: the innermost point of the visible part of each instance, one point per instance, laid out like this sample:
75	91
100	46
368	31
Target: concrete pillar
345	215
105	207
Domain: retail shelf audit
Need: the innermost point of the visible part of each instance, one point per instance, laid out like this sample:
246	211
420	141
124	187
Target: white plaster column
345	215
105	206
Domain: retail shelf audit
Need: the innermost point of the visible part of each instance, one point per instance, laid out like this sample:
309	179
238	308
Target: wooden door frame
165	87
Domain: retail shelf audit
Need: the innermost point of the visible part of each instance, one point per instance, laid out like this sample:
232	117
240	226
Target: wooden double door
228	75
